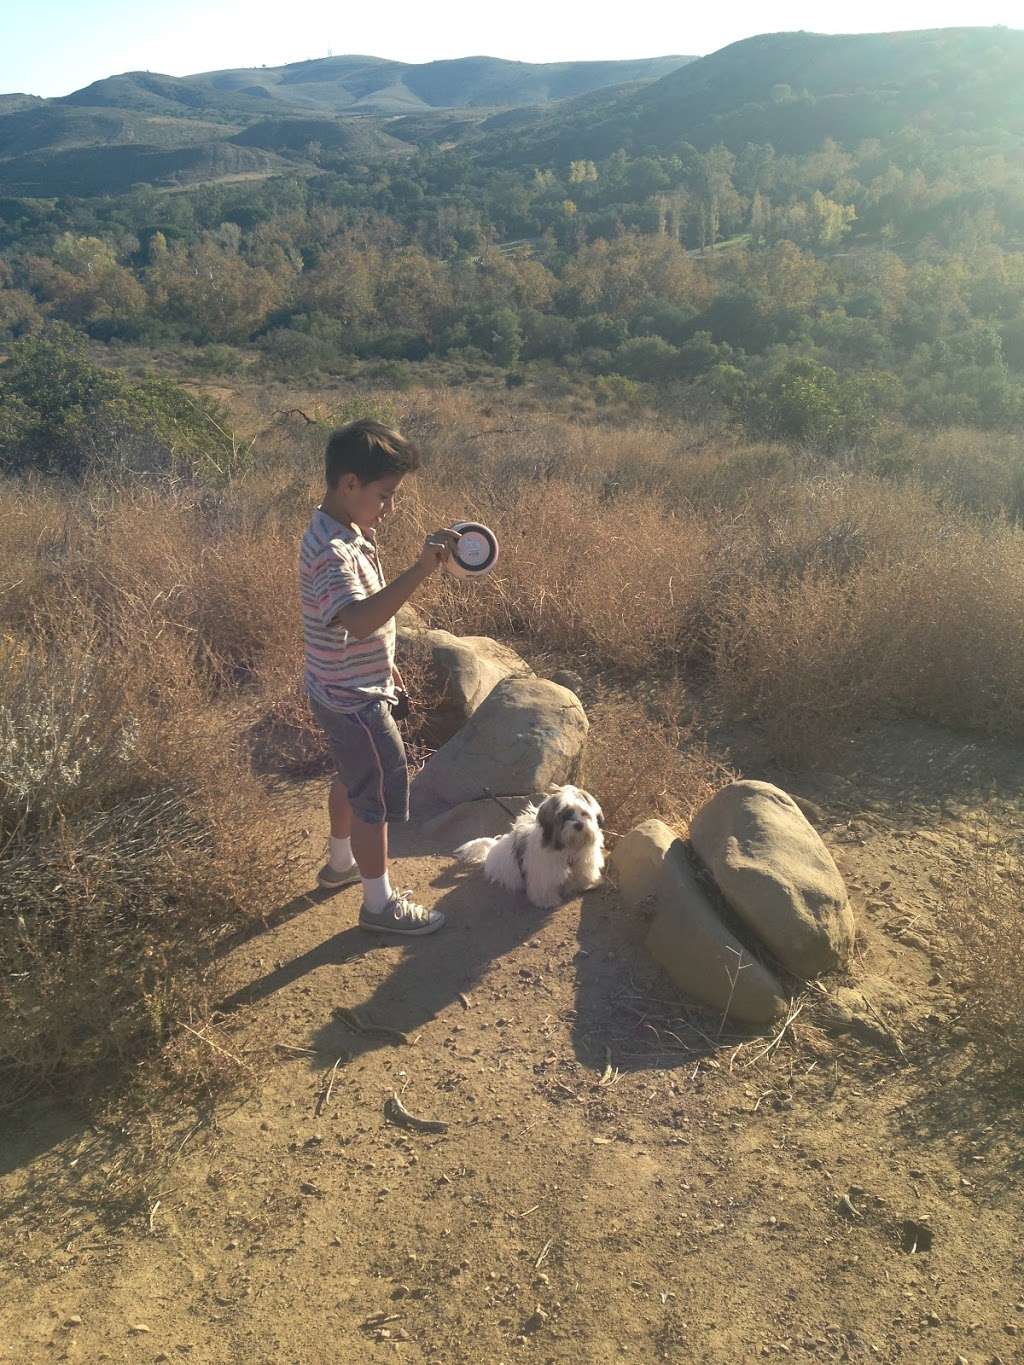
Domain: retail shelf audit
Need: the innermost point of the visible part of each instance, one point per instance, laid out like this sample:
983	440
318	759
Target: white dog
552	850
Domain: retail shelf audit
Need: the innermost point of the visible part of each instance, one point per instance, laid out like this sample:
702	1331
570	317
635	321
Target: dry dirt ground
617	1181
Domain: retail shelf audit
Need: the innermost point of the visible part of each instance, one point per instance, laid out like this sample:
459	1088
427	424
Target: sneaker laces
408	909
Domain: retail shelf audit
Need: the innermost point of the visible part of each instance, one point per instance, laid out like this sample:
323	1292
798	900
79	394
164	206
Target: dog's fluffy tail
475	851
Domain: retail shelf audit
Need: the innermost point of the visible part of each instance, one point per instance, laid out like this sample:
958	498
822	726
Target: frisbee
476	551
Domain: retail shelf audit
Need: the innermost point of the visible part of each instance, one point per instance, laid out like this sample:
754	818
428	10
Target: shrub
217	359
617	389
62	414
498	335
130	842
600	332
810	403
984	919
646	358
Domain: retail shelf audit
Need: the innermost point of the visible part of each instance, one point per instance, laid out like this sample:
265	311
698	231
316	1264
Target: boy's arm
362	618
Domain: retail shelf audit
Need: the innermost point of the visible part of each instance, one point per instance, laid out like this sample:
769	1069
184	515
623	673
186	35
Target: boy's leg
370	847
373	777
340	869
339	810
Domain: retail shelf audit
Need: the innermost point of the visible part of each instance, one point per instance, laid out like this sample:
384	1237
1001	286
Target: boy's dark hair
370	451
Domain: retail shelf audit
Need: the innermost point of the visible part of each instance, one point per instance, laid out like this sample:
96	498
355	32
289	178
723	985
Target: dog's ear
547	818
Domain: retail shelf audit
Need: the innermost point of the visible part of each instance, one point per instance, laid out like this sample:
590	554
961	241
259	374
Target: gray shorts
370	758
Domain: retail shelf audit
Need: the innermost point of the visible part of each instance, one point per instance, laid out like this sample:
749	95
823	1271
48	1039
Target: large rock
636	860
527	736
687	935
475	820
774	871
462	672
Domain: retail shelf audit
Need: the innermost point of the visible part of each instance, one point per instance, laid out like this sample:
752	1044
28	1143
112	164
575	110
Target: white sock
341	854
376	893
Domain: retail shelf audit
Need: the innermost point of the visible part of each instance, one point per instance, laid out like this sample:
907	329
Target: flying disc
476	550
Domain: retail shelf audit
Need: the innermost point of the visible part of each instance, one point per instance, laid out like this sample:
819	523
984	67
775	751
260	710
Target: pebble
139	1329
536	1320
846	1208
911	940
75	1321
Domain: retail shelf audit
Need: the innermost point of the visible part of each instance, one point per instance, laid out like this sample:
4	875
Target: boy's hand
437	547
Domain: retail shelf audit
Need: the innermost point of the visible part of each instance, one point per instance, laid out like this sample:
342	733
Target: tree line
812	295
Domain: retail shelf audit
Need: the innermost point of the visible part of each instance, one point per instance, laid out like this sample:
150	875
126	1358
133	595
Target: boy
348	612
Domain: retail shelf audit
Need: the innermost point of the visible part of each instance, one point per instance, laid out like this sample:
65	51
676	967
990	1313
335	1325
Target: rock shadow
628	1010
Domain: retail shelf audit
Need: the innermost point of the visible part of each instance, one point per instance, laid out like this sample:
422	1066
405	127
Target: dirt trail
612	1185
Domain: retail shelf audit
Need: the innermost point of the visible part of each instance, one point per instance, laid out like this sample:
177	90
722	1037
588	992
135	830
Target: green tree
646	358
61	414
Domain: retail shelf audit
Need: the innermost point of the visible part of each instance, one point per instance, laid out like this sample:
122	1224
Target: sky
52	47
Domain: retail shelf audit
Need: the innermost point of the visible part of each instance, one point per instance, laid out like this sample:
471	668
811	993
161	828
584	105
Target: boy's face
367	504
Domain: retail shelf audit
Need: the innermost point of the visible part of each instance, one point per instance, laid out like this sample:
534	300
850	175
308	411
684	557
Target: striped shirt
339	565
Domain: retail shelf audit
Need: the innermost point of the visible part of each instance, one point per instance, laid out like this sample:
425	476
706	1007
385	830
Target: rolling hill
84	171
794	90
11	102
146	127
374	85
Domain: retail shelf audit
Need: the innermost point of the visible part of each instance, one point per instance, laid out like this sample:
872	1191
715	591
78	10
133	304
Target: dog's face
570	818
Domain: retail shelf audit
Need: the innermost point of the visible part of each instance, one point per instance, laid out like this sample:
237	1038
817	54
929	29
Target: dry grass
647	765
146	626
984	920
918	617
132	838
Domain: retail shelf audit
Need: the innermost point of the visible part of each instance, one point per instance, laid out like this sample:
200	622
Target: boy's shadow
614	980
484	923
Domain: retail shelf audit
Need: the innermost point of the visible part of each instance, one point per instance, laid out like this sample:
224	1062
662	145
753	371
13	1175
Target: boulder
568	677
636	860
777	876
462	671
528	735
687	936
475	820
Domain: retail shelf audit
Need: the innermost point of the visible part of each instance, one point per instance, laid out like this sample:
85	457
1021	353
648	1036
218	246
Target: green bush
646	358
62	414
619	389
217	358
810	403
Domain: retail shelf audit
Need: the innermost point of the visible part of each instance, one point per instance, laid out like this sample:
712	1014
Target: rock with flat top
527	736
460	672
